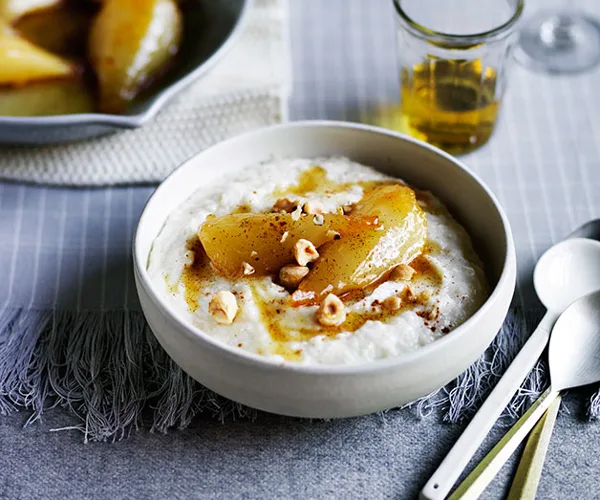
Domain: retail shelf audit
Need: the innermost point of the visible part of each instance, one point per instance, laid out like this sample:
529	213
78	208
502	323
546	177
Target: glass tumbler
454	59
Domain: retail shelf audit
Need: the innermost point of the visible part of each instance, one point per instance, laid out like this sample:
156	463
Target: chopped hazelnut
318	219
347	208
402	272
284	237
291	275
313	207
424	296
305	252
253	253
189	257
296	214
223	307
409	296
247	269
285	205
331	311
333	234
392	303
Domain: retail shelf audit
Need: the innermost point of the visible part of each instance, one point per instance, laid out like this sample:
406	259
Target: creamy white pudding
405	309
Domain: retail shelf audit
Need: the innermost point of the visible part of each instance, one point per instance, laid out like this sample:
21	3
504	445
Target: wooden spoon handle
527	478
482	475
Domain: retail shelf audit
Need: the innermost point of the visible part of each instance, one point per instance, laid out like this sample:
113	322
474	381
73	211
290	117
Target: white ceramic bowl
333	391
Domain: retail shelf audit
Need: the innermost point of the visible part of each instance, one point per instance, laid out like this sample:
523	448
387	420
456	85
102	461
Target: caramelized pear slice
22	62
266	241
360	259
52	97
61	30
13	9
131	42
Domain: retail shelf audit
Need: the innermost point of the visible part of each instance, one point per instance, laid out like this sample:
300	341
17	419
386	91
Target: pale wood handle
527	478
442	480
482	475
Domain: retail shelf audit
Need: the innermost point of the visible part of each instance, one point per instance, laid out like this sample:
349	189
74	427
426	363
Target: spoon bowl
574	352
568	270
589	230
574	357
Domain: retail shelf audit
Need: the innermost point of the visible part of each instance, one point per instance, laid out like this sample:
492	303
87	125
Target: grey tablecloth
543	163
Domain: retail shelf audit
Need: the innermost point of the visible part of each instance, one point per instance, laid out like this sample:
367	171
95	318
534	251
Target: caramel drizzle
198	275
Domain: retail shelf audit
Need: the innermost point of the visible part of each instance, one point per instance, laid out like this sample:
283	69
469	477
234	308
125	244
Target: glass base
559	42
393	117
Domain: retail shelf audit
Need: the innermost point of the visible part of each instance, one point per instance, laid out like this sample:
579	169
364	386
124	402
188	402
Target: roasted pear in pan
22	62
131	43
62	30
13	9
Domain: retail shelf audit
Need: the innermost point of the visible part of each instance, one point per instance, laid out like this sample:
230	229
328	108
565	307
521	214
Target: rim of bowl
472	38
156	102
505	279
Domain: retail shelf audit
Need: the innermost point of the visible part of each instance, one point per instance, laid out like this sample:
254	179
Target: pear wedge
62	30
22	62
131	42
266	241
13	9
51	97
361	259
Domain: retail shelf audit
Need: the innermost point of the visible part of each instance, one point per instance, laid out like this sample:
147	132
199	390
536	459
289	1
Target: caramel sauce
242	209
198	275
315	180
431	247
354	320
272	311
426	271
311	180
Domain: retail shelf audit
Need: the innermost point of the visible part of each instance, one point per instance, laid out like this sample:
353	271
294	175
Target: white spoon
574	359
529	471
567	271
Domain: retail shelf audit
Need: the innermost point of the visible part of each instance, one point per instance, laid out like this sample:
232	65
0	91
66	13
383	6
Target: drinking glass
454	61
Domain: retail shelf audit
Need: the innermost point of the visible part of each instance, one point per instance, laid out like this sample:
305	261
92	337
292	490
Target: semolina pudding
317	261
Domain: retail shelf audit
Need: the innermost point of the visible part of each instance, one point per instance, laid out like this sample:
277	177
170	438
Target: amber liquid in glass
449	103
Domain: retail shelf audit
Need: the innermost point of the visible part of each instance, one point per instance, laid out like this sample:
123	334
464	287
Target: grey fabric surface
273	457
58	247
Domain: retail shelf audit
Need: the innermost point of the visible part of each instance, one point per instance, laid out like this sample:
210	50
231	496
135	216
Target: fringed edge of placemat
109	371
460	399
